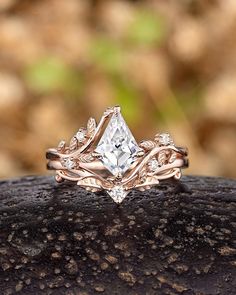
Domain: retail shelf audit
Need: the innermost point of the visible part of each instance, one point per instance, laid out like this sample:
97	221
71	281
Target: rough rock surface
174	239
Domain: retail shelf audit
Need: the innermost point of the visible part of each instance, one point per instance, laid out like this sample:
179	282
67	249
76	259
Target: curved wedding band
113	161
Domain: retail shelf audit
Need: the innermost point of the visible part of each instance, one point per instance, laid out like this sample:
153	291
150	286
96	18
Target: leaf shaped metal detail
73	143
91	184
147	145
91	126
162	158
108	111
86	158
143	175
172	157
61	146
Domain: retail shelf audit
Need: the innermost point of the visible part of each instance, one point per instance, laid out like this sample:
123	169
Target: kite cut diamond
118	194
117	146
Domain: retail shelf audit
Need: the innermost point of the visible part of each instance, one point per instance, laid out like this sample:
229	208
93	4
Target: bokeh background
170	64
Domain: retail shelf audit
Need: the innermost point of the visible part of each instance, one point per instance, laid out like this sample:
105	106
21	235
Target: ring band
111	160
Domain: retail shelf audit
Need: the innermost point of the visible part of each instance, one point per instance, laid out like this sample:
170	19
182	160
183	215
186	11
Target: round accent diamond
165	139
61	144
69	163
153	165
80	135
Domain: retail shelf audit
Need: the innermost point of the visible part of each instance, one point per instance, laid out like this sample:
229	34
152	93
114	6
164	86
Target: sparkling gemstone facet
61	144
153	165
80	135
69	163
165	139
117	146
118	194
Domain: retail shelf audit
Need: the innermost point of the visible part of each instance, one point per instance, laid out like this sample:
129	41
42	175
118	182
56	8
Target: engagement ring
105	156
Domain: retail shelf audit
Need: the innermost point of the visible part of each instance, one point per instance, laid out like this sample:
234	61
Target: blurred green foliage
107	54
110	54
148	28
126	95
51	75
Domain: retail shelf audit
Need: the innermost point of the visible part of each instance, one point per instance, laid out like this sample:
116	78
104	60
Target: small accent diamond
153	165
80	135
118	194
61	144
165	139
69	163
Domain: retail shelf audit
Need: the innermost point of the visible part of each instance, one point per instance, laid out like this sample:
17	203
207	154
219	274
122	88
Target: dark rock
174	239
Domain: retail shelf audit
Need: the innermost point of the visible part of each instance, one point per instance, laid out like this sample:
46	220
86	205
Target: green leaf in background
171	110
148	28
190	98
107	54
178	104
51	74
128	98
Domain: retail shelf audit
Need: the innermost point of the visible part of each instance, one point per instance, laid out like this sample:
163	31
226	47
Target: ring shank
86	169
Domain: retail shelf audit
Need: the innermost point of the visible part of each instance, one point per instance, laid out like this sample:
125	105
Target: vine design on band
78	161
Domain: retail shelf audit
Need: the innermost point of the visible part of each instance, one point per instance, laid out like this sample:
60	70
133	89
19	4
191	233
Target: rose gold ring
105	156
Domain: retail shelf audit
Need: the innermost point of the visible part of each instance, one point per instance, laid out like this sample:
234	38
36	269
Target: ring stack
105	156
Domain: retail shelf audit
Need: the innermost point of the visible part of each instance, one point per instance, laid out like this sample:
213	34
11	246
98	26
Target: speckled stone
178	238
